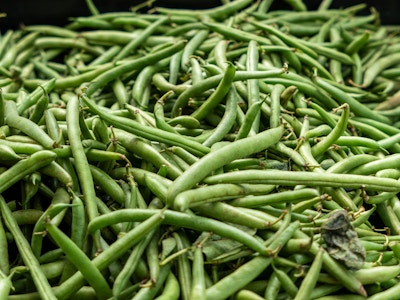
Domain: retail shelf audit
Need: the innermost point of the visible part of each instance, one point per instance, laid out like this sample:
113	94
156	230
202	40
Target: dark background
57	11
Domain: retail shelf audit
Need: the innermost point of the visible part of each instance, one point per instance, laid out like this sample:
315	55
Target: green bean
238	279
190	48
107	184
58	172
353	141
185	121
8	155
24	167
286	282
184	267
41	282
357	43
290	178
236	34
147	292
334	135
8	59
27	126
159	114
213	82
220	157
217	96
285	196
376	165
171	289
5	42
5	285
391	293
146	151
198	288
206	194
36	241
4	257
235	215
81	261
81	163
35	95
51	30
311	277
134	43
54	42
273	287
248	122
183	154
180	219
45	69
143	80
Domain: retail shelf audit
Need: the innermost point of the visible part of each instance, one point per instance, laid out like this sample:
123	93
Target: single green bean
310	280
291	178
238	279
334	135
81	162
218	95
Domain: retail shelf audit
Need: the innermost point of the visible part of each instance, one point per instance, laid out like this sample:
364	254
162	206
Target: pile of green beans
184	154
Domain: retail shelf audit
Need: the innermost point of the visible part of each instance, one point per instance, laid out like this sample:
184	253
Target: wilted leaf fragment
342	242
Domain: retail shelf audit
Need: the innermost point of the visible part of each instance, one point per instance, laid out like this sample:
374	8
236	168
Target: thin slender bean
334	135
218	95
81	163
309	178
309	282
